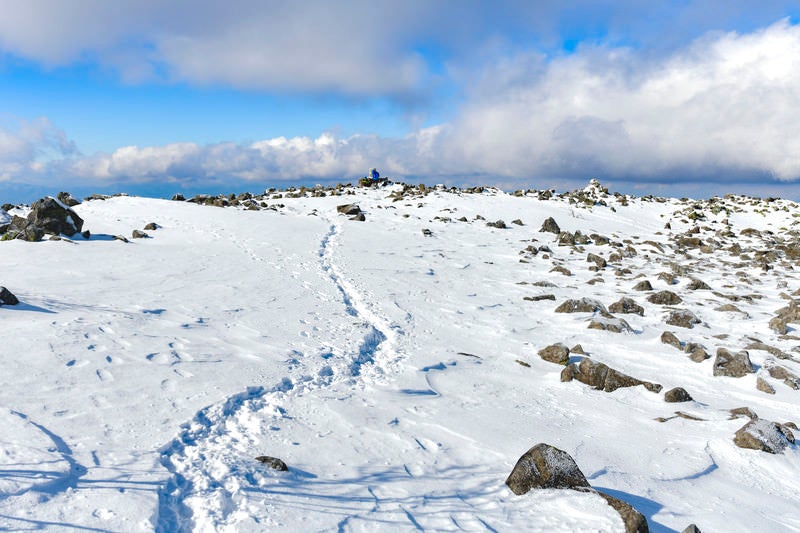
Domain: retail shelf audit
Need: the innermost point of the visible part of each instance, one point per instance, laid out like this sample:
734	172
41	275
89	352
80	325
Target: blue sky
154	97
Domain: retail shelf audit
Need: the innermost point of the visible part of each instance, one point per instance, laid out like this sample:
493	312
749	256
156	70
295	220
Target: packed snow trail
208	459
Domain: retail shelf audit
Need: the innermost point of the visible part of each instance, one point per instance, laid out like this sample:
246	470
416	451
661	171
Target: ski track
203	443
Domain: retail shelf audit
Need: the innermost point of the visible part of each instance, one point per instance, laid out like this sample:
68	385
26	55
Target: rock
348	209
626	306
664	298
730	365
764	386
691	528
739	412
682	318
499	224
614	325
555	353
597	260
6	298
698	285
67	199
427	232
540	297
669	338
120	238
518	222
178	198
360	217
566	238
272	462
139	234
54	218
696	352
670	279
550	226
545	467
779	372
584	305
634	521
578	349
764	435
602	377
152	226
643	285
560	269
676	395
778	325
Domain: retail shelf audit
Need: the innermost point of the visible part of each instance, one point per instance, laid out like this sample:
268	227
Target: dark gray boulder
550	226
137	234
67	199
6	298
584	305
53	217
348	209
643	285
682	318
676	395
691	528
272	462
634	521
664	298
732	365
545	467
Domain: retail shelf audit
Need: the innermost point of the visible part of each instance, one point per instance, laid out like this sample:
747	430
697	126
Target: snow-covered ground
384	366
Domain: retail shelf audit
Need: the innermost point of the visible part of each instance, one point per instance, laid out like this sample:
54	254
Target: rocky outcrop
732	365
603	377
47	215
550	226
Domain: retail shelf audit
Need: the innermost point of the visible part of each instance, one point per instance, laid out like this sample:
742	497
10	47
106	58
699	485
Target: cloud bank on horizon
613	90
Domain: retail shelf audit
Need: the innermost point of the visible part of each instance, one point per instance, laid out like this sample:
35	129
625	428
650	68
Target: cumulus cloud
26	145
725	108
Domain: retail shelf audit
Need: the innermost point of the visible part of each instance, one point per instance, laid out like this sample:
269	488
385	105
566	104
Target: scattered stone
643	285
545	467
779	372
682	318
272	462
670	338
7	298
603	377
664	298
67	199
360	217
562	270
550	226
691	528
764	386
732	365
139	234
427	232
178	197
578	349
540	297
597	260
555	353
626	306
584	305
614	325
764	435
739	412
698	285
697	352
152	226
522	363
670	279
499	224
518	222
120	238
348	209
676	395
778	325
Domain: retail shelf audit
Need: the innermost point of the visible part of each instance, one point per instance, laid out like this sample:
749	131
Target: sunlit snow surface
141	380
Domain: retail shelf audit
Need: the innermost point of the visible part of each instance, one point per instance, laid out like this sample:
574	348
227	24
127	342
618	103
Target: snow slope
382	365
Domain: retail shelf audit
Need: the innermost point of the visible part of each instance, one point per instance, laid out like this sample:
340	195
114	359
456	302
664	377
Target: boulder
272	462
732	365
643	285
634	521
670	338
152	226
555	353
676	395
597	260
545	467
67	199
691	528
698	285
137	234
779	372
664	298
178	197
54	217
696	352
499	224
584	305
348	209
614	325
550	226
7	298
764	386
602	377
626	306
764	435
682	318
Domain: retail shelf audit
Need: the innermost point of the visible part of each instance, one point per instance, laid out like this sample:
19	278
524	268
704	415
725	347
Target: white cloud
25	145
725	108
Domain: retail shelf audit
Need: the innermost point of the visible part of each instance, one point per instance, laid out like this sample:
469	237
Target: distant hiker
373	174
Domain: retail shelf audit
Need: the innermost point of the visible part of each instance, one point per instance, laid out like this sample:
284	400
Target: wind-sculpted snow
393	363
